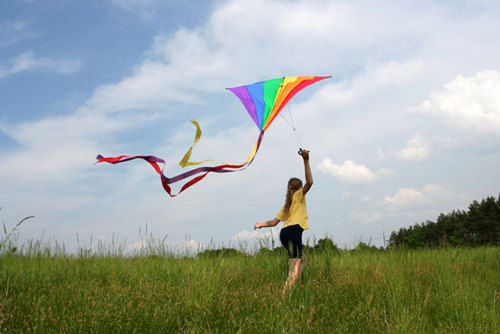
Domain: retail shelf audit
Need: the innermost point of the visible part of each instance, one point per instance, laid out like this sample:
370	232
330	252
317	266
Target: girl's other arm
269	223
307	168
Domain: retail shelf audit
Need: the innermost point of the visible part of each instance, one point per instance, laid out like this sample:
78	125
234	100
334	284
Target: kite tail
185	159
203	171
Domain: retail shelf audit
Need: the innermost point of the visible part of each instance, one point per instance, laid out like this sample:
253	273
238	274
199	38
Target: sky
408	126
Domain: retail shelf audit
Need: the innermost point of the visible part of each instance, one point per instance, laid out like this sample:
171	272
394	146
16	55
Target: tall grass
393	291
10	238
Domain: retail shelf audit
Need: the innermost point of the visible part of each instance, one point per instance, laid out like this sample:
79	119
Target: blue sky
408	126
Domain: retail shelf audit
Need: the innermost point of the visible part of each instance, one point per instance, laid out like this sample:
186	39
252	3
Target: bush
363	247
326	245
222	252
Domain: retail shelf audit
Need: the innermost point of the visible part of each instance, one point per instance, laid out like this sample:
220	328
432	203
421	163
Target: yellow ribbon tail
185	159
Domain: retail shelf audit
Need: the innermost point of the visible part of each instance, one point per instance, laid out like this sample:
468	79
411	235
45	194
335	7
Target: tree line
478	226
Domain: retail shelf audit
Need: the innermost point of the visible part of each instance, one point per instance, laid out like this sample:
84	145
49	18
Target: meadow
447	290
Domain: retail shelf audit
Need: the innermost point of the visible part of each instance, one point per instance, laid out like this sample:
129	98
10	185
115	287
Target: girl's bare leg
296	271
291	265
303	263
293	273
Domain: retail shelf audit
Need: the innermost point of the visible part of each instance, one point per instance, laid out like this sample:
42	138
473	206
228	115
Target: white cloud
60	146
380	153
192	247
410	205
212	56
471	103
28	62
12	31
357	196
417	149
404	198
350	172
9	27
368	217
365	199
146	9
408	198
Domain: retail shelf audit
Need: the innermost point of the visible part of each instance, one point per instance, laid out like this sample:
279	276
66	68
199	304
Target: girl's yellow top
297	213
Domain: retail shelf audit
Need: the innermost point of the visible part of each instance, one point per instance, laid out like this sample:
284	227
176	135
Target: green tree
480	225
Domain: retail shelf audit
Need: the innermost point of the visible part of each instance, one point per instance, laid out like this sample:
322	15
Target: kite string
293	127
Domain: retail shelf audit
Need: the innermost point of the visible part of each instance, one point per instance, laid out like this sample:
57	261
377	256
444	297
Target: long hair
294	184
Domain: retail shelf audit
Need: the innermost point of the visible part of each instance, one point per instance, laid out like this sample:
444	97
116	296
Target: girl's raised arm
307	168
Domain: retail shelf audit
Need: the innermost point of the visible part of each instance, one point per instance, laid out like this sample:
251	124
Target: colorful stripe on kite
264	100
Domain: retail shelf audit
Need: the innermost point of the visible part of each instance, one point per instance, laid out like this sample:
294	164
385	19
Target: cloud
60	145
181	65
417	149
405	198
409	204
369	217
192	247
380	153
350	172
356	196
146	9
28	62
471	103
13	31
429	195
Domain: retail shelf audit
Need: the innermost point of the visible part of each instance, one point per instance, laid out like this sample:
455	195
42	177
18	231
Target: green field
393	291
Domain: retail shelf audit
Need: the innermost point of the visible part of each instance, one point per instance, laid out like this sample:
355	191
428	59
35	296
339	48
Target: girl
294	213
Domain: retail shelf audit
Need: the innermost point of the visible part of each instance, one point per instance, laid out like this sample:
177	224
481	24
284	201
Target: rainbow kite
263	100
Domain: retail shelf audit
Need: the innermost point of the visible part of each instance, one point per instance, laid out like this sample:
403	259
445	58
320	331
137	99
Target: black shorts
291	237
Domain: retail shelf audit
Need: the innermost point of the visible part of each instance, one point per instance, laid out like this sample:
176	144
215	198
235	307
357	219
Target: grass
100	289
394	291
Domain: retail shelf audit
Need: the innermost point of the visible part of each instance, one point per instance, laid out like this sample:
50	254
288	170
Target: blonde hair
294	184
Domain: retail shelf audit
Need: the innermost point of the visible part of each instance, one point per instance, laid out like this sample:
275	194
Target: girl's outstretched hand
304	153
257	226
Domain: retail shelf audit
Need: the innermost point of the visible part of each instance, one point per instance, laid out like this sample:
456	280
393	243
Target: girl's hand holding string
304	154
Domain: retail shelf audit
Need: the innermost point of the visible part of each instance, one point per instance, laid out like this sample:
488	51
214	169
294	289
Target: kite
263	101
